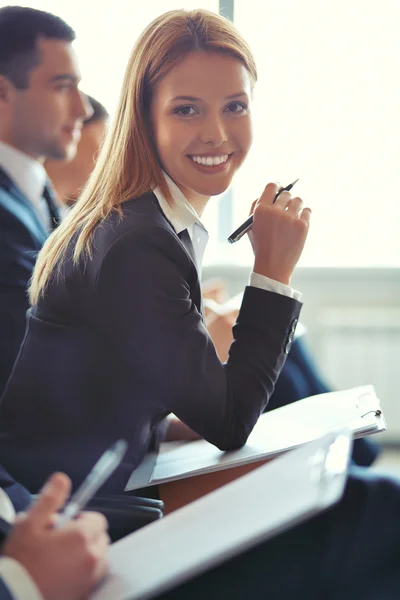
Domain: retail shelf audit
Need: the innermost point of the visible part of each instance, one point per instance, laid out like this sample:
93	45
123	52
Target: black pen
240	231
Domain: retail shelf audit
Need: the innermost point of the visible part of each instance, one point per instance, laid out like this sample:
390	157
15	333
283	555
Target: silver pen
101	471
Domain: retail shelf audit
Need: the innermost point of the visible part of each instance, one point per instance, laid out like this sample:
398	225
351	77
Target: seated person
39	562
116	339
69	177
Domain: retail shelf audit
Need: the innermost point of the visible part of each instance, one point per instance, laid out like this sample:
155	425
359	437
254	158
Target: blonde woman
116	340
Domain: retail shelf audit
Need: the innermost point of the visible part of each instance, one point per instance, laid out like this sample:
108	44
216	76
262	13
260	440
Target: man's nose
213	131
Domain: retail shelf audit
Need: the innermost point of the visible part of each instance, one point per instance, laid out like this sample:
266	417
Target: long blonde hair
128	164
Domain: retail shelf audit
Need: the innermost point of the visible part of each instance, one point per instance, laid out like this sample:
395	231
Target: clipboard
240	515
357	409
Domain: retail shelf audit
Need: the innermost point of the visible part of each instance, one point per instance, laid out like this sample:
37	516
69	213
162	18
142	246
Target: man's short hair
20	30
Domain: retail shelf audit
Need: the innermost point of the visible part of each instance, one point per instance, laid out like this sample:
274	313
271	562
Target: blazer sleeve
157	331
15	582
18	251
18	494
5	592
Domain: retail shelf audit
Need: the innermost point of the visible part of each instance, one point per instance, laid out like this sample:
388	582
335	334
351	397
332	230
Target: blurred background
326	110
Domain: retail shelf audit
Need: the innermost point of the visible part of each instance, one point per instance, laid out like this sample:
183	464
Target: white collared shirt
182	216
29	176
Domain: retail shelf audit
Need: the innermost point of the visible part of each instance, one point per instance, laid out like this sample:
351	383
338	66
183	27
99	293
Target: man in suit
41	116
39	562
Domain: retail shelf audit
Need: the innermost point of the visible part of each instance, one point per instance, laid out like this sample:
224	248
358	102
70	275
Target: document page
228	521
275	432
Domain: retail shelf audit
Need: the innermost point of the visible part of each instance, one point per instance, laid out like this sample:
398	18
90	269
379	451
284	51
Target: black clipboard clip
377	412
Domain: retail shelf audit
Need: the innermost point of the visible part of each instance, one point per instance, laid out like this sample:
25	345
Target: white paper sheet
228	521
275	432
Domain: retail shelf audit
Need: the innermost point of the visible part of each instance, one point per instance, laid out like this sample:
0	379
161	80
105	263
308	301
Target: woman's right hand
278	233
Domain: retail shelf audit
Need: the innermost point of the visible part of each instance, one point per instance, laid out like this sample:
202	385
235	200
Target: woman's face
201	123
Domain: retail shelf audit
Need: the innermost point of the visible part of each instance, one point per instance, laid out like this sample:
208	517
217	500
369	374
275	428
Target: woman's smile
210	164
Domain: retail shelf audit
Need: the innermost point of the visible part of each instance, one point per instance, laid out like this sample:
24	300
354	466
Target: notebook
228	521
277	431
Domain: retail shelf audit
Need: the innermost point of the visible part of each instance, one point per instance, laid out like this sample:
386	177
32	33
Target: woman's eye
185	111
236	107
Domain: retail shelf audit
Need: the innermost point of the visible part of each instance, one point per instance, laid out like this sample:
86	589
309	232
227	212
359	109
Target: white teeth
210	161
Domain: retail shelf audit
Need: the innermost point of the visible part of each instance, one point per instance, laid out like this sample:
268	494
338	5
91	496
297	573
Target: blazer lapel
187	243
17	204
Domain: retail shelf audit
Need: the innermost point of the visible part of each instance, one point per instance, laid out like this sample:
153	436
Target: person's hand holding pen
65	563
278	234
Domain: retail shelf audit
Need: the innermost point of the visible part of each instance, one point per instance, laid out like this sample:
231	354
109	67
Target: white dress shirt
29	176
182	216
17	579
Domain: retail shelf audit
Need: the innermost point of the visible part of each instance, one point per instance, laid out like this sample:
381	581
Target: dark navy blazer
21	237
20	499
118	342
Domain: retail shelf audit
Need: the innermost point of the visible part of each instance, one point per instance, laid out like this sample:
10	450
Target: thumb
51	498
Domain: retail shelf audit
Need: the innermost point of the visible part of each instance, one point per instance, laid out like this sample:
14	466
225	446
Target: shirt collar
26	172
181	214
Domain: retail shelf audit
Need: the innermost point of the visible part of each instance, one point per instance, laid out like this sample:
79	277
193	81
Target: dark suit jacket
118	342
19	496
21	237
21	499
4	592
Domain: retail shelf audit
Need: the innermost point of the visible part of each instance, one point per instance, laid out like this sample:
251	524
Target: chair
126	514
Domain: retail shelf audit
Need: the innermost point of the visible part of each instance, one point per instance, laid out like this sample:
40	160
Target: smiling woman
116	289
203	139
116	339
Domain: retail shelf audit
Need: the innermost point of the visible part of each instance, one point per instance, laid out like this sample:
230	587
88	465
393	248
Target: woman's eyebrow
186	98
237	95
196	99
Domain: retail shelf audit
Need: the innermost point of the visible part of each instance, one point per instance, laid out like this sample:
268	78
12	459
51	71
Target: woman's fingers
283	200
295	206
269	194
306	215
253	206
279	232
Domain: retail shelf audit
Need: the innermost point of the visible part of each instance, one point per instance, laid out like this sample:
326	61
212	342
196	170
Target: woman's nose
213	132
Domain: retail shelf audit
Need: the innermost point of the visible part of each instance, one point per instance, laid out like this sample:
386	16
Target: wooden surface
176	494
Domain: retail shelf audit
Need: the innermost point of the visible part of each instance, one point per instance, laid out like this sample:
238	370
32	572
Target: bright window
326	110
106	32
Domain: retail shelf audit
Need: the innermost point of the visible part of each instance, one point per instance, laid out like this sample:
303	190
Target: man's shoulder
17	217
6	198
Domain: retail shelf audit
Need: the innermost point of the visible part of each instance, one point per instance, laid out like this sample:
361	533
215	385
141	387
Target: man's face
69	177
45	120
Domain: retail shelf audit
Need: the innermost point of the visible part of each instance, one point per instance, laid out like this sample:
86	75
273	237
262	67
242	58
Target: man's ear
6	89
